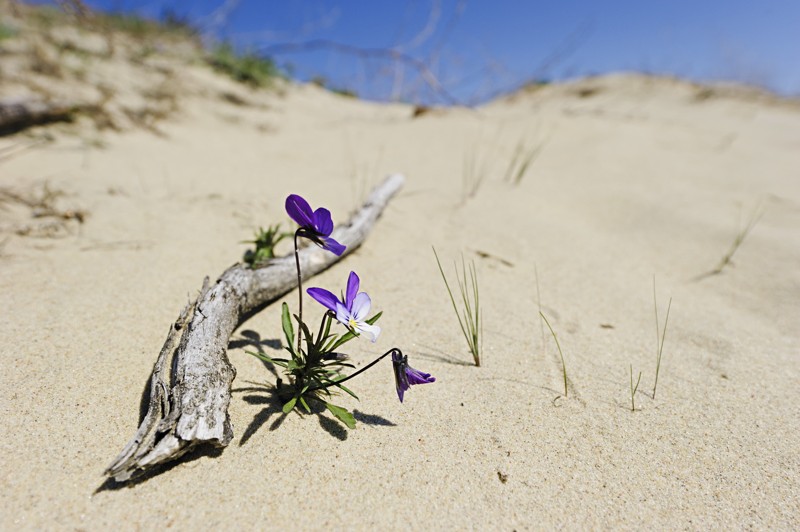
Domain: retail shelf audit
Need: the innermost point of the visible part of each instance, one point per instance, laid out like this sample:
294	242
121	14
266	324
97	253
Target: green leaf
305	405
327	327
346	389
329	346
288	330
288	406
277	361
307	334
342	415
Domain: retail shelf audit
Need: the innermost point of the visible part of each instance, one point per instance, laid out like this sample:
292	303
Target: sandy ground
634	177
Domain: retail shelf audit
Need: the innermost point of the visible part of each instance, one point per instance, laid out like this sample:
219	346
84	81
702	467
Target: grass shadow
253	340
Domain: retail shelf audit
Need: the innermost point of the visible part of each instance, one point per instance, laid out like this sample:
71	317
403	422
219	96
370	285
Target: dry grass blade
634	388
738	240
660	335
561	354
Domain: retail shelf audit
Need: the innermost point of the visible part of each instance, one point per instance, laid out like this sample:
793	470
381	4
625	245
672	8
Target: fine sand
633	177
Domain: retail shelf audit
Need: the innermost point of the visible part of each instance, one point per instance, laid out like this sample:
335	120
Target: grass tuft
521	161
561	354
249	67
7	32
470	317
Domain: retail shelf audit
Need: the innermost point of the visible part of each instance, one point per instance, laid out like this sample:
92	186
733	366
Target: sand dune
633	177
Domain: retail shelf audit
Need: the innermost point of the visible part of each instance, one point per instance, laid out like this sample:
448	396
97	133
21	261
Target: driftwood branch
17	114
190	387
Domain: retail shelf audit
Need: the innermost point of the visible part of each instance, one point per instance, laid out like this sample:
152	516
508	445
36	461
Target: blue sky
480	48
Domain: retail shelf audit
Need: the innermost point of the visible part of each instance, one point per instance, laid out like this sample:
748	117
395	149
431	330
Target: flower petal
333	246
400	378
323	222
353	282
372	331
415	376
342	314
299	210
324	297
361	306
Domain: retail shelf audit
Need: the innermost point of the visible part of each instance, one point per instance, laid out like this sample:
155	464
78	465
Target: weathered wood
17	114
193	407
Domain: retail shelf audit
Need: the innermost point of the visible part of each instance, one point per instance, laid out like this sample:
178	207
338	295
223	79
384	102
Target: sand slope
635	177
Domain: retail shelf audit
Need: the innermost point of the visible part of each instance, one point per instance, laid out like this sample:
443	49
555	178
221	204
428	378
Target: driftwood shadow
199	451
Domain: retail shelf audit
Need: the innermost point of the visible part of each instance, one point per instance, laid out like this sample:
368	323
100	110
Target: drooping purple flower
405	376
317	225
353	311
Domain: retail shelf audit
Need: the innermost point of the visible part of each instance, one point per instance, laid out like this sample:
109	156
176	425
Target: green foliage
343	415
265	242
347	93
470	317
7	32
315	370
130	23
249	67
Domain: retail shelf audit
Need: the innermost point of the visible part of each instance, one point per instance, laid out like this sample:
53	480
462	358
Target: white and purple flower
353	311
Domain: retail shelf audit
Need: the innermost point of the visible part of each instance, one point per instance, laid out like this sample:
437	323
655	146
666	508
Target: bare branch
390	54
192	407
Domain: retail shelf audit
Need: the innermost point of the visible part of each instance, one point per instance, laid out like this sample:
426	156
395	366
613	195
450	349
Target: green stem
362	370
299	288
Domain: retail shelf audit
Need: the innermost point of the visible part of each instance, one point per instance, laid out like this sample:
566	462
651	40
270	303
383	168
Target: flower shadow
273	405
273	401
372	419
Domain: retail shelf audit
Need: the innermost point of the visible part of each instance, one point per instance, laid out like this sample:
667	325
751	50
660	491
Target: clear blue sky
478	48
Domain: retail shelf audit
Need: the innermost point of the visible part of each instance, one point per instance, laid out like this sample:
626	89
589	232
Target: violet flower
317	225
405	376
353	311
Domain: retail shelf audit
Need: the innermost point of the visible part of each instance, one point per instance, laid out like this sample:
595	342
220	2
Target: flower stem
299	287
362	370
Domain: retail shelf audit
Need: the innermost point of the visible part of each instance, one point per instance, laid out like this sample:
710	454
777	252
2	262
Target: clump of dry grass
521	161
50	220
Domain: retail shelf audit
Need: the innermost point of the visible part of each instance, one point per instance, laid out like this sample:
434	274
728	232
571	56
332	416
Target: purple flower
353	311
317	225
405	376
